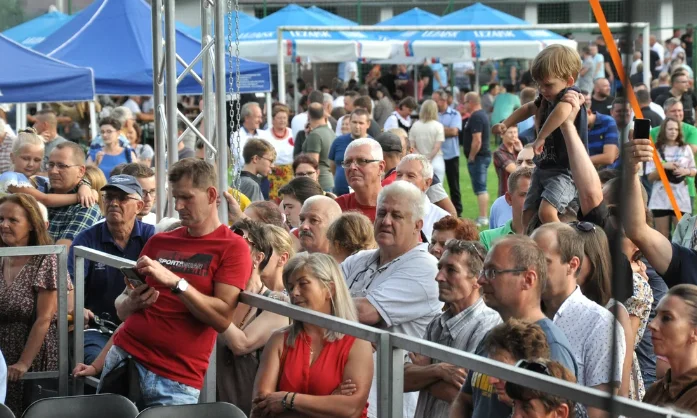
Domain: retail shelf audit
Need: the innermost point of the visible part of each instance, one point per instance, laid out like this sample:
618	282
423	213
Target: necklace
281	136
312	352
249	311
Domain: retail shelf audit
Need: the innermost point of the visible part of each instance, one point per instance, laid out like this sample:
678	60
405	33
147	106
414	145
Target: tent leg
93	119
476	75
269	110
416	82
18	116
314	76
296	93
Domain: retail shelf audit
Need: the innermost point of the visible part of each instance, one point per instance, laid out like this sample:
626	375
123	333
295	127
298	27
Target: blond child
554	70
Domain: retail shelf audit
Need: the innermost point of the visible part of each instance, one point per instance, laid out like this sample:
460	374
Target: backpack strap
686	389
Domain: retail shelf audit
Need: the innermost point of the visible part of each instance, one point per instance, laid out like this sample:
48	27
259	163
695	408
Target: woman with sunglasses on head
674	335
282	251
240	346
305	369
531	403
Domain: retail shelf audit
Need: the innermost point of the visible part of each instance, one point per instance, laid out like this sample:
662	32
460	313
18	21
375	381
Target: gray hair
331	208
247	110
122	114
426	166
328	98
324	269
375	148
409	194
670	102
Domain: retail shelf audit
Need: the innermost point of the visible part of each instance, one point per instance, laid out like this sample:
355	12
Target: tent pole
171	93
158	101
221	122
208	95
93	119
269	110
646	53
296	93
416	82
18	116
281	87
314	76
476	76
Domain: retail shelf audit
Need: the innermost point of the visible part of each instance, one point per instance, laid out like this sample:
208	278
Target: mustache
306	234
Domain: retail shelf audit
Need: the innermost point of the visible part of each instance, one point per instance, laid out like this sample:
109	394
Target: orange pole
617	61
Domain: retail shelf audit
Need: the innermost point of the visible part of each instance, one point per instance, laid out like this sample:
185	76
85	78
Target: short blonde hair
280	240
557	61
429	111
97	179
26	137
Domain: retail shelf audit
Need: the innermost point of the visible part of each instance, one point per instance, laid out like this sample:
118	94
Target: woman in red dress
307	370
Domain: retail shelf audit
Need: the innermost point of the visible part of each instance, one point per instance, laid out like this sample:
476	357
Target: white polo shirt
433	214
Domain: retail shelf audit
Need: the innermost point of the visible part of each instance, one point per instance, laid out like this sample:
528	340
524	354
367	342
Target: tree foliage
11	14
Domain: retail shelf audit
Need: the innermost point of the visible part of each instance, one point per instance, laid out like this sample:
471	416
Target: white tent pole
296	93
93	119
269	110
476	76
281	68
416	82
18	116
314	76
646	54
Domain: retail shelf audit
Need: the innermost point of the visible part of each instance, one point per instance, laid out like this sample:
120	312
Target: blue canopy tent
459	46
33	32
114	38
397	40
259	41
30	77
245	22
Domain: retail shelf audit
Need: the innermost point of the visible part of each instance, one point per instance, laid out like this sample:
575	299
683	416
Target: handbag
123	380
672	178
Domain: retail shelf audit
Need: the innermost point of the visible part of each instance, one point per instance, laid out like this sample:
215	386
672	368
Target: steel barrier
390	356
63	358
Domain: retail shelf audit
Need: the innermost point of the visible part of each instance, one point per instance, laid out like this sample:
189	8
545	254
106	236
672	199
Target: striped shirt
604	132
463	331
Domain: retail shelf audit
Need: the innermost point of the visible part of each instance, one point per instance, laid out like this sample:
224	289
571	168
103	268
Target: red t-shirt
389	178
166	338
348	202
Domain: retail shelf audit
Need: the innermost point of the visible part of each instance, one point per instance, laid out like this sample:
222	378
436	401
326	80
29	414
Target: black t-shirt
526	78
682	268
653	56
554	154
388	80
426	71
657	92
478	122
687	40
688	101
602	106
654	117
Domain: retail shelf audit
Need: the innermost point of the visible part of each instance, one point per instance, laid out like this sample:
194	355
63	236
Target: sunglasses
241	233
583	226
469	246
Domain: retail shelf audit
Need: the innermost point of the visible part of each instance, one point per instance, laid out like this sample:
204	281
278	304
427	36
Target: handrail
63	358
390	355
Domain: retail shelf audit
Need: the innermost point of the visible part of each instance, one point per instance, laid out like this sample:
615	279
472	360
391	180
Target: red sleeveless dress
325	374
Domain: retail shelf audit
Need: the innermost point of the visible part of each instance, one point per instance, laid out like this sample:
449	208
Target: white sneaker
482	221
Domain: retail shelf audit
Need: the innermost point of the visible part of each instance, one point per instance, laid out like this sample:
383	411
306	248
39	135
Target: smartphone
642	127
133	277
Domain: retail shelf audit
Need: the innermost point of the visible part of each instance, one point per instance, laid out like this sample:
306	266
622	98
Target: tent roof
34	31
480	14
33	77
413	16
114	37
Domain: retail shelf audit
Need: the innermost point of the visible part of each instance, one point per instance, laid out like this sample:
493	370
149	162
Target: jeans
452	173
478	170
94	343
156	390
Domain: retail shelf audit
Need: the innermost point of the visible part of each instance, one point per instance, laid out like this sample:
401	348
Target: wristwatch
180	287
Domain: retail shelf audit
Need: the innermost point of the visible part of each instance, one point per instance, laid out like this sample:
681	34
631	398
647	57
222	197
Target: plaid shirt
5	149
68	221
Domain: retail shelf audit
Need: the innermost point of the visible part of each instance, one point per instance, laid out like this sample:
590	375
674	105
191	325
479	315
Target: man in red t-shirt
364	166
199	271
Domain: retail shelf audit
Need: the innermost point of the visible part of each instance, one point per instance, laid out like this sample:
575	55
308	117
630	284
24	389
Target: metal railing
390	355
63	359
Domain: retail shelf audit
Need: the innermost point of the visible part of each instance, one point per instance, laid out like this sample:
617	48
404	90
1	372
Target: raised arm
556	118
522	113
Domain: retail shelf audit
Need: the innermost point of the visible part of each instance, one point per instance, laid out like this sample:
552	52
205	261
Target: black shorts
662	213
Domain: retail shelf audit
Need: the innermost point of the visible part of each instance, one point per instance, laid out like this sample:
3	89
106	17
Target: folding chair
90	406
201	410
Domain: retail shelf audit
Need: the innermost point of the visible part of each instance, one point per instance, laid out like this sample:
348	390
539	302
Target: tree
11	14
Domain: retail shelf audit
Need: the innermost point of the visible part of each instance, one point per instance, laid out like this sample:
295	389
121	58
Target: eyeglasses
305	173
583	226
108	197
241	233
521	393
268	159
107	132
360	162
60	166
533	366
150	193
489	274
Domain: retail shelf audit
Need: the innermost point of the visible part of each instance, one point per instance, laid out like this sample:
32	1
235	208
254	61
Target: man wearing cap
121	235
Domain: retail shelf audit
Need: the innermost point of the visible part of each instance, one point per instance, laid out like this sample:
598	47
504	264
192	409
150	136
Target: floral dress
639	305
283	166
17	311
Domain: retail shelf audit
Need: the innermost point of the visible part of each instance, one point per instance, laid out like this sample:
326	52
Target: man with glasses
360	121
518	185
363	164
259	156
512	280
393	286
121	235
591	329
462	326
680	90
66	169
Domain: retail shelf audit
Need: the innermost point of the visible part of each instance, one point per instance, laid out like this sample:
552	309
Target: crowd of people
579	271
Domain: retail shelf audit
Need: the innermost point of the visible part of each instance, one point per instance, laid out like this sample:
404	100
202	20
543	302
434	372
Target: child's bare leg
548	213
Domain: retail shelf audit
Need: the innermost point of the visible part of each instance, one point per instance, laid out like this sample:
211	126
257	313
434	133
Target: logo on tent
494	34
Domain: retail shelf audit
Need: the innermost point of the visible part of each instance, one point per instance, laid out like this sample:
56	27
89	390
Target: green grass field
469	200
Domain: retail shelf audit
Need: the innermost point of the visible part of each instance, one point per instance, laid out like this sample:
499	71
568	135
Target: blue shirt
501	212
440	69
336	154
451	147
604	132
103	284
559	345
526	124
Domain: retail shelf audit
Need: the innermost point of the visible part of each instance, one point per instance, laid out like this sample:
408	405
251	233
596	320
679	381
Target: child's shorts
553	185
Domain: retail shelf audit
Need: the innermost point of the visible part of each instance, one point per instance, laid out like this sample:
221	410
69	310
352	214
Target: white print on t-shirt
185	263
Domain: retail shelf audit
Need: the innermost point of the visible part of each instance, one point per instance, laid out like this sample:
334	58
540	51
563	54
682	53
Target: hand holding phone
133	277
642	128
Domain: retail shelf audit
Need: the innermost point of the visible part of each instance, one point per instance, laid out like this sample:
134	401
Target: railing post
63	348
383	367
208	391
79	329
397	380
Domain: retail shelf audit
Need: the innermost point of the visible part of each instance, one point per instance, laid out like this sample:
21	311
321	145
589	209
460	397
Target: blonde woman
304	366
427	135
350	233
282	245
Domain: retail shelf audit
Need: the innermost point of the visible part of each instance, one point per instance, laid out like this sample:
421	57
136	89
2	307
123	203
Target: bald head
317	213
472	98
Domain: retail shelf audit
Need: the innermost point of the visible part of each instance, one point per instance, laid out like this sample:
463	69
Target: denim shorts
478	170
156	390
554	186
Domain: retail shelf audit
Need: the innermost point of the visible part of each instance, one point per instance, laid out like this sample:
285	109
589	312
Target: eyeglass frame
267	257
484	271
121	198
305	173
60	166
359	162
152	193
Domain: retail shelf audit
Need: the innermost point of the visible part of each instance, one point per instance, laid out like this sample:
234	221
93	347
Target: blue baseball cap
125	183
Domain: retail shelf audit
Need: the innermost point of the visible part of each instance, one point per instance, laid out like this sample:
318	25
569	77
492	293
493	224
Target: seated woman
112	153
531	403
26	156
303	366
240	346
350	233
28	297
674	335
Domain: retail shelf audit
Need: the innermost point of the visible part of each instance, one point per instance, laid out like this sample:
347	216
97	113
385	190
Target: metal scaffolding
213	117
